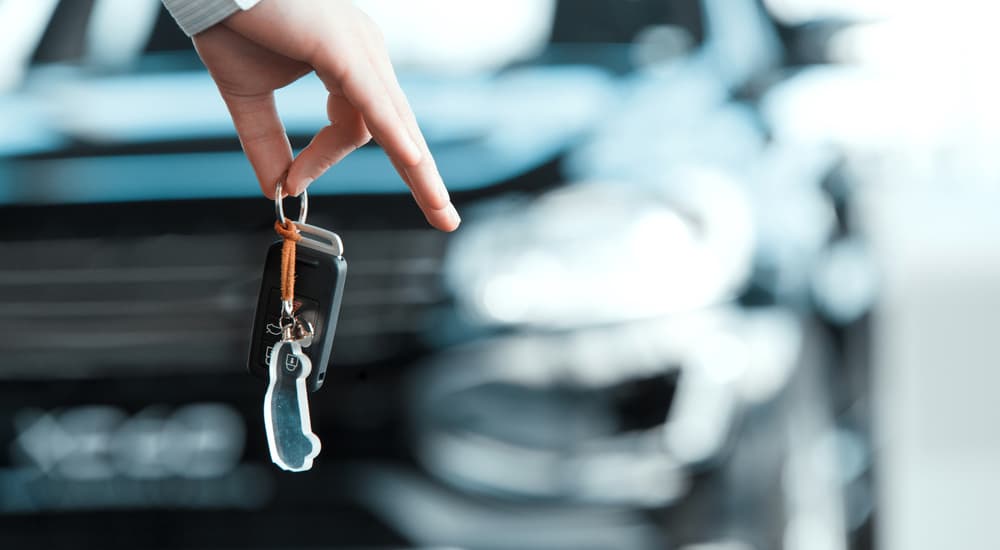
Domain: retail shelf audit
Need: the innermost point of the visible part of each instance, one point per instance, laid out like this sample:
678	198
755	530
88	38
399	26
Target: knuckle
370	27
337	67
253	139
329	59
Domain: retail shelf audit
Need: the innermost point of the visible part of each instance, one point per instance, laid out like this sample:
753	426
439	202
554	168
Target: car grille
168	295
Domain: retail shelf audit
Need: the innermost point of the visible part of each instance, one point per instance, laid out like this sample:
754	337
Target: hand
255	52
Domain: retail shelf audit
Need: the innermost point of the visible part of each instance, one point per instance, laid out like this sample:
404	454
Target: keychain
293	330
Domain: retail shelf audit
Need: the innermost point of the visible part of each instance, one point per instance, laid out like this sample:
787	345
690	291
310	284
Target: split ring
280	210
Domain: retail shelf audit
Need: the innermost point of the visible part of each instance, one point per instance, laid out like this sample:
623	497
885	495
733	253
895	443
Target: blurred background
727	280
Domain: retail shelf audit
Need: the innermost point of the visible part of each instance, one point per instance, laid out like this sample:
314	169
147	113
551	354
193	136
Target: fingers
445	219
347	52
423	178
381	110
345	133
246	74
425	182
262	136
364	89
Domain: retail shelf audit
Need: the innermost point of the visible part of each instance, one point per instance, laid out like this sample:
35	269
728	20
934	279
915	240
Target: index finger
364	89
367	92
423	179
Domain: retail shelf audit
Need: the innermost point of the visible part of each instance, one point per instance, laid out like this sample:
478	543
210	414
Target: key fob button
319	285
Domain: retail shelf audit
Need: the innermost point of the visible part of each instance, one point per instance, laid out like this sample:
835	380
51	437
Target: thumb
262	136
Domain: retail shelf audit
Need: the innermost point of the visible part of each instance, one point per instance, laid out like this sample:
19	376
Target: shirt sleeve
194	16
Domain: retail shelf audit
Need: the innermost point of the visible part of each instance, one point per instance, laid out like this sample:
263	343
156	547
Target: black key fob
320	270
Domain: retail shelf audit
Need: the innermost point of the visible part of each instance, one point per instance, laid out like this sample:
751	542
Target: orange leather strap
290	233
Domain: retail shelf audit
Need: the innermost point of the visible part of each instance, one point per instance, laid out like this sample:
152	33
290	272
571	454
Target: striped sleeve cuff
194	16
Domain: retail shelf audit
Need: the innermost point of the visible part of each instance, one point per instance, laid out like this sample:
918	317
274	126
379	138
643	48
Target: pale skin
255	52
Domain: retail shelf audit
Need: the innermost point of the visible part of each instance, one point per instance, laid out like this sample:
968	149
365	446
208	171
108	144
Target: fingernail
453	215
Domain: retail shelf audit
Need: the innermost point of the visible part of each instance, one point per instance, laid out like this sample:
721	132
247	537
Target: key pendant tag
290	438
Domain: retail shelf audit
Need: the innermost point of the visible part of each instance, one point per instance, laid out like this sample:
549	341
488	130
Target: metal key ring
280	210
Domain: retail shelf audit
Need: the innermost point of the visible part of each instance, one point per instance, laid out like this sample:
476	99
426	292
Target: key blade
290	438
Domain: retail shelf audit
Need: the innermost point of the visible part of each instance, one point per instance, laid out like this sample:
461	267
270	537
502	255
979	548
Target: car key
320	271
288	322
